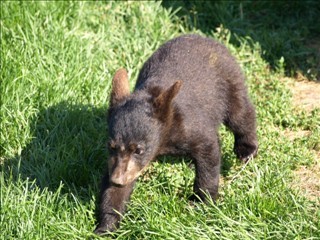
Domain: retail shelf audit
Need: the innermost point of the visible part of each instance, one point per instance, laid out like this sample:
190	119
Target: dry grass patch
307	180
306	94
291	135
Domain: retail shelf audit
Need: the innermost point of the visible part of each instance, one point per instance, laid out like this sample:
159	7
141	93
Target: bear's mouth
126	173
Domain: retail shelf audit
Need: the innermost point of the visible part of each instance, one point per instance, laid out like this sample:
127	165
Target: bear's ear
120	87
162	102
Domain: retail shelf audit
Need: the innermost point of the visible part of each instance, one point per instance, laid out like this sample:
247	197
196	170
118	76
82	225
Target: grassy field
57	62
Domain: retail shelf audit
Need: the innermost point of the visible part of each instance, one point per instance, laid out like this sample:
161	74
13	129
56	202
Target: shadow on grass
283	28
68	146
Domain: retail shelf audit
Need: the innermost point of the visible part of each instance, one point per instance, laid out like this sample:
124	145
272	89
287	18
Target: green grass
57	62
283	28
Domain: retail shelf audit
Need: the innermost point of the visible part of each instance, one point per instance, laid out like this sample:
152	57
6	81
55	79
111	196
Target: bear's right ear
163	99
120	87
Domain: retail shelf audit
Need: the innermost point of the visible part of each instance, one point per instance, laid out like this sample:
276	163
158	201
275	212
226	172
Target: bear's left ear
120	87
162	102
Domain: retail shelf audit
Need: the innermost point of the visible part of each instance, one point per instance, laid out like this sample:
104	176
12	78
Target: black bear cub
184	91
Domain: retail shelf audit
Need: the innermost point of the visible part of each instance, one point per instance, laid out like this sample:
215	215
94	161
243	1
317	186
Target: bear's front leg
207	161
113	203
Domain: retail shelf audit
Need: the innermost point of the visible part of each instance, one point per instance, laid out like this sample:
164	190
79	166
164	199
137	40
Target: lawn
57	62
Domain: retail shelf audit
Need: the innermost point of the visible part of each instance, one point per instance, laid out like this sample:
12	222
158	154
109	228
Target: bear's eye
112	146
138	151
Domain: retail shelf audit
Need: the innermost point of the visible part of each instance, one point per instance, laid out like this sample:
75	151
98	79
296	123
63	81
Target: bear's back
210	75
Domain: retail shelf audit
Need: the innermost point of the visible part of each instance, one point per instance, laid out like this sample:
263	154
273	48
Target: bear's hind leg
242	122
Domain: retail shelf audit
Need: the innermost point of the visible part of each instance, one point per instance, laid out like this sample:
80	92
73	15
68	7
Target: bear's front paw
104	229
108	224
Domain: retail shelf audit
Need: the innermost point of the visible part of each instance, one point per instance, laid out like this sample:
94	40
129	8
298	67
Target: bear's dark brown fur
185	90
